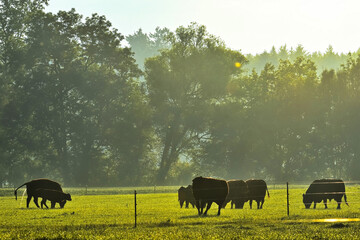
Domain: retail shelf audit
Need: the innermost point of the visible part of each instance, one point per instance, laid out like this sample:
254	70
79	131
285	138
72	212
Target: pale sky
251	26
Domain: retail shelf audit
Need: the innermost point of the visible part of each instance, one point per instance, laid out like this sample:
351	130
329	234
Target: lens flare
334	220
237	64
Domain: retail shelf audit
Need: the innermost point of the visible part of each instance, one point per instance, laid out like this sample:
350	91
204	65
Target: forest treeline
85	105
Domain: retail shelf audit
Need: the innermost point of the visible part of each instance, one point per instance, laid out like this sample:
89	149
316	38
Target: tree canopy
79	106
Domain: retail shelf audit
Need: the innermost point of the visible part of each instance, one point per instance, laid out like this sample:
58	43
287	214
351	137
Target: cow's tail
345	198
268	192
15	192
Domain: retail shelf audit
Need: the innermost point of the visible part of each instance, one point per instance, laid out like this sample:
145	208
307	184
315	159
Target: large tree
15	21
183	82
76	102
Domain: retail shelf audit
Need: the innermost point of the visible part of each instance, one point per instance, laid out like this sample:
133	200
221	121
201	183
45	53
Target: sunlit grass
160	217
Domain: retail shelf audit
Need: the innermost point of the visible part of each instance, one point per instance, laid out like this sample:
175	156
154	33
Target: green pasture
97	215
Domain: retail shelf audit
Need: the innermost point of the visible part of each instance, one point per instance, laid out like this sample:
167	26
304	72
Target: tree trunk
169	154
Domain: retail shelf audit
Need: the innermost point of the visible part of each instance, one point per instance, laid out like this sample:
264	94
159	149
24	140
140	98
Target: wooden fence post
287	198
135	207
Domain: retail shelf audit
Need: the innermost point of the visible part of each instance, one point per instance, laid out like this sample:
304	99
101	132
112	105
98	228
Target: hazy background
252	26
145	92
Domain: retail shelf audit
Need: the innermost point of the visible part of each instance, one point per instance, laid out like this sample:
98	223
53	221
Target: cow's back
44	184
326	186
210	189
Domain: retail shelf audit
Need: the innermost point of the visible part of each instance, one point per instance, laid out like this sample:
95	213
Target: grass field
102	216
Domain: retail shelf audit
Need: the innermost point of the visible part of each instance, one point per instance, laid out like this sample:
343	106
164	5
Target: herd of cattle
204	191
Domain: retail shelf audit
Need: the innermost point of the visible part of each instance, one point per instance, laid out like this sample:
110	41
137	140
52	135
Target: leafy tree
148	45
182	83
283	53
346	117
15	19
78	85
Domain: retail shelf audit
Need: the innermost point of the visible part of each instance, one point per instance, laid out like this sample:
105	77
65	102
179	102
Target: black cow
186	195
257	191
324	189
35	184
209	190
181	196
54	196
238	193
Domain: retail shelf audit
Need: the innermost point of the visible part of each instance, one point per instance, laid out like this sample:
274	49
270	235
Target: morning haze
158	92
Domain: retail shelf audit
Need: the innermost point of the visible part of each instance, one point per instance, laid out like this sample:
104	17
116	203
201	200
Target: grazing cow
54	196
324	189
257	191
35	184
186	195
209	190
238	193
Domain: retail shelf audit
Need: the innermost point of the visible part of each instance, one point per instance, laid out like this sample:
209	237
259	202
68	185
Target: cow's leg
219	209
186	204
197	204
250	203
28	200
258	203
325	203
203	205
181	203
53	204
314	205
261	203
44	202
207	207
338	200
36	201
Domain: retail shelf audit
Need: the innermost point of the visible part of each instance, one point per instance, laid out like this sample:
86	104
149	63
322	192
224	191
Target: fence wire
151	199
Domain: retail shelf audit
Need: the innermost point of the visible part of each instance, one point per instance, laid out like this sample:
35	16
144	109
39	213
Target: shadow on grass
203	216
338	225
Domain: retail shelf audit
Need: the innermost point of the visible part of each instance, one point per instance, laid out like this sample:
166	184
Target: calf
54	196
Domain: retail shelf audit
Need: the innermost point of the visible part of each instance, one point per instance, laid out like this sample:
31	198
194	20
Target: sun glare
237	64
334	220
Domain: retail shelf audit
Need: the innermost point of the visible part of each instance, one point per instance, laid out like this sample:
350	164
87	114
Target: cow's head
307	200
68	196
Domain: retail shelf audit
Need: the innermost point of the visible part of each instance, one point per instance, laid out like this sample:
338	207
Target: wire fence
137	199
